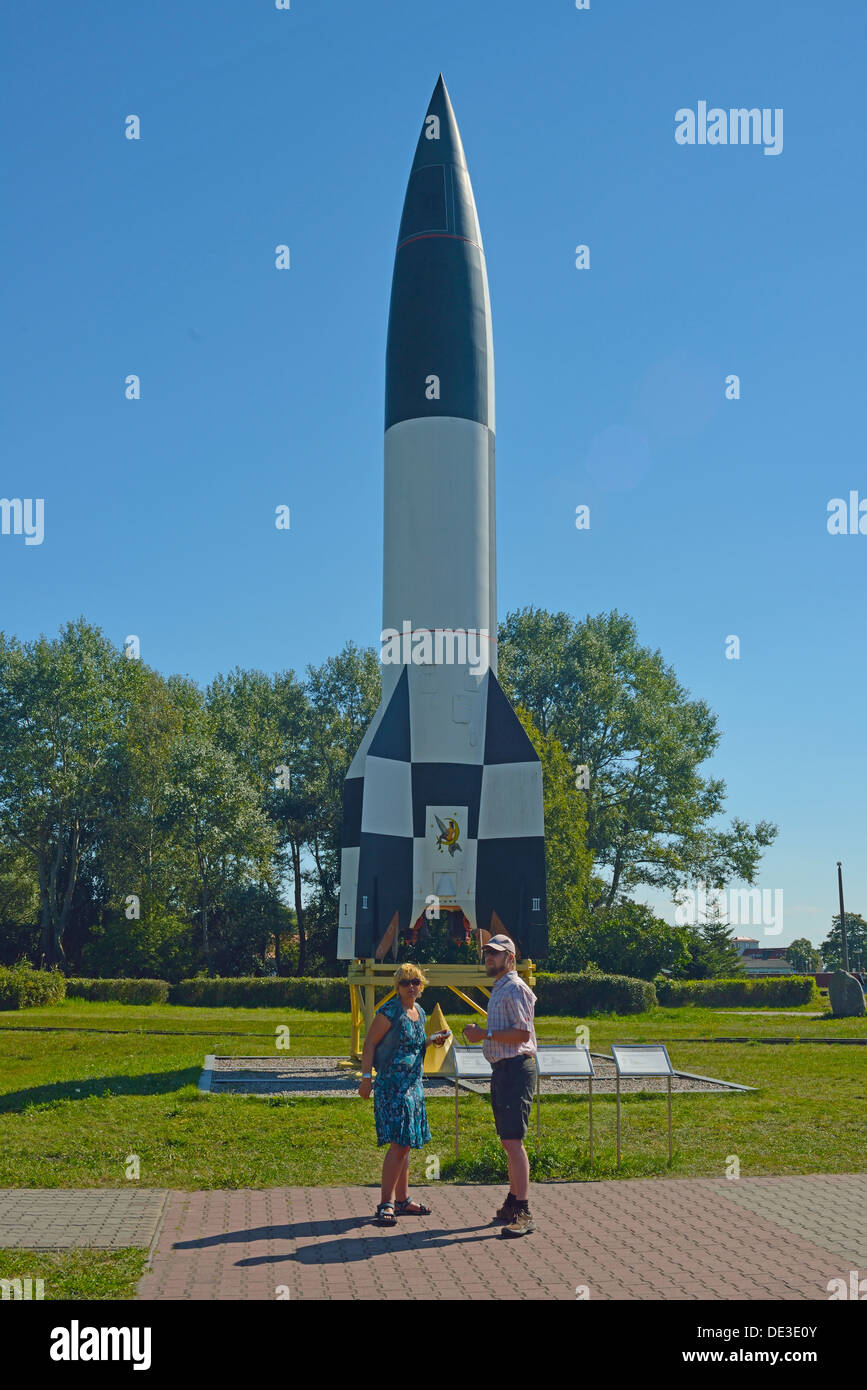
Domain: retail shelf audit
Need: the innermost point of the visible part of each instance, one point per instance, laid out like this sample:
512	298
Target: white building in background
762	960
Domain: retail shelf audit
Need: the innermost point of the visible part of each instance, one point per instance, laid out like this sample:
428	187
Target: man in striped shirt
509	1044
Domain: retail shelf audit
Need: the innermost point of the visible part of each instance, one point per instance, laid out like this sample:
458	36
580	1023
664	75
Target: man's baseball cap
501	943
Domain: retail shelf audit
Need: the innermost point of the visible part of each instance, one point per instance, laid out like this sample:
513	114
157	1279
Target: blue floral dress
398	1091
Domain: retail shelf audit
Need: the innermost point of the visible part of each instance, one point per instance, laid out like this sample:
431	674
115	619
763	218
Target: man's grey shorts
513	1083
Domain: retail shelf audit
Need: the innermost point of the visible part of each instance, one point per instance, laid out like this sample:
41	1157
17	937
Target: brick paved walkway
755	1238
93	1218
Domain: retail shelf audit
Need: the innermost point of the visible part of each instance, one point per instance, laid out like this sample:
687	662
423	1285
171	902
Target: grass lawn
88	1274
115	1080
84	1086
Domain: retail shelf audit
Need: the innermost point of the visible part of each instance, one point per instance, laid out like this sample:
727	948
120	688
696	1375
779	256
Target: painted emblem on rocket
449	836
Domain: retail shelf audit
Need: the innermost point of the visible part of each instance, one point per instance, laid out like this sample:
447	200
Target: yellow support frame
365	976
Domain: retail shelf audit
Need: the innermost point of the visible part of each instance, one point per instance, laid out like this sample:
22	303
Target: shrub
784	991
324	995
441	941
120	991
157	947
18	941
593	992
557	994
22	987
241	930
625	939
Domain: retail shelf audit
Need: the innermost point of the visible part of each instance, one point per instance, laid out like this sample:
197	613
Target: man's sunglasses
411	982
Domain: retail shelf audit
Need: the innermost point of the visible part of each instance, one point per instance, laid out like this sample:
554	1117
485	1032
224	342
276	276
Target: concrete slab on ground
51	1218
325	1077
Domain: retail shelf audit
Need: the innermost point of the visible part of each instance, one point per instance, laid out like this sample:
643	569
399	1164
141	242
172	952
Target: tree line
148	825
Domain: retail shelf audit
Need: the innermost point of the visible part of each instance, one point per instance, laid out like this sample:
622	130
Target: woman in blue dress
398	1103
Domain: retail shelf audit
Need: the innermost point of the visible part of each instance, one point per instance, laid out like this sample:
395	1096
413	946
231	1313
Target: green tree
619	711
212	811
19	904
62	707
568	862
715	951
158	947
136	852
255	717
263	722
831	949
252	919
803	956
625	939
344	694
19	886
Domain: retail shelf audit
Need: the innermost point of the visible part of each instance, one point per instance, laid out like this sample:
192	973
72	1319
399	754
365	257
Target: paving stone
93	1218
757	1238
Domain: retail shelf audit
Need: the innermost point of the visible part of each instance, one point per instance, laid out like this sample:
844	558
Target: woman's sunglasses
412	982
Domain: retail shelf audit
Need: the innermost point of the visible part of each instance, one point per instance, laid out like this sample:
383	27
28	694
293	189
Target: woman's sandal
385	1214
403	1208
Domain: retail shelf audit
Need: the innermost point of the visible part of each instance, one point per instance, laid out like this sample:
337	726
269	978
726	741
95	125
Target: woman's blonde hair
410	972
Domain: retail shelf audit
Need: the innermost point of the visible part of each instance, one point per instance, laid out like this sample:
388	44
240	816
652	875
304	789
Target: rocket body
443	800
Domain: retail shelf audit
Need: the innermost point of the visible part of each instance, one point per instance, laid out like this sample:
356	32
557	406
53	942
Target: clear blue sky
259	387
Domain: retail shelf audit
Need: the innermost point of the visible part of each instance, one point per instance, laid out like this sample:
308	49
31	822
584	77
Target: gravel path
323	1077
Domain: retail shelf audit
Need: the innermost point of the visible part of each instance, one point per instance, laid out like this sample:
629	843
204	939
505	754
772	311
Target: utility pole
843	918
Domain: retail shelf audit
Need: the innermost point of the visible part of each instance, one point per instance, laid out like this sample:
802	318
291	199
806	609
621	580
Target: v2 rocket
442	804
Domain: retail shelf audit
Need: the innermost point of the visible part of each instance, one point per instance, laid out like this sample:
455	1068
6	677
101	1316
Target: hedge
593	993
22	987
556	994
120	991
579	994
264	992
567	995
775	992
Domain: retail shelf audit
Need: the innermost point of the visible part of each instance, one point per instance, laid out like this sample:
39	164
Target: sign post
470	1064
565	1062
638	1060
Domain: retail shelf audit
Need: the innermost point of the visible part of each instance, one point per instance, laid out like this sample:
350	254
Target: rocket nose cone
440	309
439	194
440	139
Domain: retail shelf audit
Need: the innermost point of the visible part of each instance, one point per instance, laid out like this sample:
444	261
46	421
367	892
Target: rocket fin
376	862
510	865
388	939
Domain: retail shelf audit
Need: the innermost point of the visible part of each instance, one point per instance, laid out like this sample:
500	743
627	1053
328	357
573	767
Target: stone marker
846	995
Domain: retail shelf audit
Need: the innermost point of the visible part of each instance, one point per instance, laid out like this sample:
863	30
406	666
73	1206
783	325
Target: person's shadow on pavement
353	1240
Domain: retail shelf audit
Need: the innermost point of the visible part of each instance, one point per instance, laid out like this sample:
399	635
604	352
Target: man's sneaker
506	1211
521	1224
